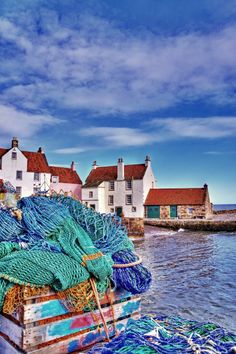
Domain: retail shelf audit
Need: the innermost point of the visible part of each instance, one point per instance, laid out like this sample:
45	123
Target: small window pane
19	175
111	186
110	199
18	191
54	179
14	155
129	199
91	194
36	176
128	184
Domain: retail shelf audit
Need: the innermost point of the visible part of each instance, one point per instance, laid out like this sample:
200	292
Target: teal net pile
168	335
59	238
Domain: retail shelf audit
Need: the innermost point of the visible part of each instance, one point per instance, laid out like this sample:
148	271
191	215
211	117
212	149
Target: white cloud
118	136
23	124
105	69
71	150
202	128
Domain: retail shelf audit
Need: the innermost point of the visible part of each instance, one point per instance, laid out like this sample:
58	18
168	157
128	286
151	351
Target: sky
98	80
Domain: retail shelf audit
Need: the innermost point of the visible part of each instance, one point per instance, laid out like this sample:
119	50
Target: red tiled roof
37	162
3	151
65	174
176	196
109	173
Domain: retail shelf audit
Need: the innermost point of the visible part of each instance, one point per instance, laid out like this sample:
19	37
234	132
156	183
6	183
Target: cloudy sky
97	80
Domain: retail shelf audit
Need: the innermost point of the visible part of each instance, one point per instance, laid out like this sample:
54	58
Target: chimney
120	170
40	150
14	142
72	166
94	165
148	161
205	186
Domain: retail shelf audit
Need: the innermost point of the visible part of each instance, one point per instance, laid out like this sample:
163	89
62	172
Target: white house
120	189
29	172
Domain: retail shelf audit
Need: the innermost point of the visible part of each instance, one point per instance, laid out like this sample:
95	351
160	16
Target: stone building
181	203
29	172
120	189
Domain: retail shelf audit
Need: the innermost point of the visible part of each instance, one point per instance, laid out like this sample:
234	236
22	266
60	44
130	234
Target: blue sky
97	80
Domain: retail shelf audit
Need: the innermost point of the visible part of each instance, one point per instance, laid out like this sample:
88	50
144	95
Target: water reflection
194	275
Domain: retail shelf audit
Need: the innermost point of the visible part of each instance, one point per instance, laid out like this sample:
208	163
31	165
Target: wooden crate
43	325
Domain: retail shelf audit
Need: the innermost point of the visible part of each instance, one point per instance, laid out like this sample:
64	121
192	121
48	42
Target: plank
47	309
6	347
47	332
12	330
81	341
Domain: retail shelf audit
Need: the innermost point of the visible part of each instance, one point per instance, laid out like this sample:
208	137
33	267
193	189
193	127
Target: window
14	155
134	209
93	206
36	176
111	186
54	179
19	175
128	199
18	191
110	200
90	194
112	210
128	184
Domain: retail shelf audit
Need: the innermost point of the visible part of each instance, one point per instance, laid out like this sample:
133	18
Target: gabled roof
176	196
36	161
65	174
109	173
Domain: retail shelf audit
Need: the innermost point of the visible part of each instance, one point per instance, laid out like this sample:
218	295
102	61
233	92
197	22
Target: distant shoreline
221	222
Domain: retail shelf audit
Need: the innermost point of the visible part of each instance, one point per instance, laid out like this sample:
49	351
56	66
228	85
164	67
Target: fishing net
167	335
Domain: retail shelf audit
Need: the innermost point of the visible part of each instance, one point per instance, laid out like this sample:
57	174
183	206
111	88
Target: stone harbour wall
196	225
135	226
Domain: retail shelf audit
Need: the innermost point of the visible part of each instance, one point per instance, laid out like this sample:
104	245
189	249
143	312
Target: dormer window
14	155
54	179
128	184
111	185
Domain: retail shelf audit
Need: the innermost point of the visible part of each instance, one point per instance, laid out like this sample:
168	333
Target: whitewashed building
30	172
120	189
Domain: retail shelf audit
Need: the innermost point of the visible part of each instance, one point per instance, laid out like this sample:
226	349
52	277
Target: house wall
9	168
67	187
97	199
186	211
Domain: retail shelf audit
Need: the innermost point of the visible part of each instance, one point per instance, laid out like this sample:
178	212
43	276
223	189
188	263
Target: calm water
224	206
194	275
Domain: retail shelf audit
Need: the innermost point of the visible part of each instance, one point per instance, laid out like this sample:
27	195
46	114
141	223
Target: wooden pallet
43	325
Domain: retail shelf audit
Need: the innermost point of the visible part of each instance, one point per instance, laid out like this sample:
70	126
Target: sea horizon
224	207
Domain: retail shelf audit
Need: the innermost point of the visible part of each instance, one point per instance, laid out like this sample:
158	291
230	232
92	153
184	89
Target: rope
128	265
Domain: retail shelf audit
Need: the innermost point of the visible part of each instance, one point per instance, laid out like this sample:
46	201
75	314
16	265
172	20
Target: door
173	211
119	211
153	211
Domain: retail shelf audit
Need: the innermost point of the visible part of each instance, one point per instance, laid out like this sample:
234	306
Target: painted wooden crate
43	325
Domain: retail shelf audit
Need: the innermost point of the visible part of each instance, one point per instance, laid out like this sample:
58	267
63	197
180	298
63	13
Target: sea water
224	207
194	275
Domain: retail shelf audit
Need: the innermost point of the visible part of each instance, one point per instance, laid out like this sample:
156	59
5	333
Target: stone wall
164	211
135	226
192	211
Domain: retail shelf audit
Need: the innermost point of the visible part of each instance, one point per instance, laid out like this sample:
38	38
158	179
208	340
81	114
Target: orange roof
109	173
37	162
176	196
65	174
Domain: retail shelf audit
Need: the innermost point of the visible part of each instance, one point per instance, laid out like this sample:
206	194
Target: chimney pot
40	149
148	160
14	142
120	170
94	165
72	166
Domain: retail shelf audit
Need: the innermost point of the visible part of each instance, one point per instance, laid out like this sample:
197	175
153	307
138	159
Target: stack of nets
60	243
168	335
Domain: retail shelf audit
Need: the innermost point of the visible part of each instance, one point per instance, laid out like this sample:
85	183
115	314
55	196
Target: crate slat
77	323
12	330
